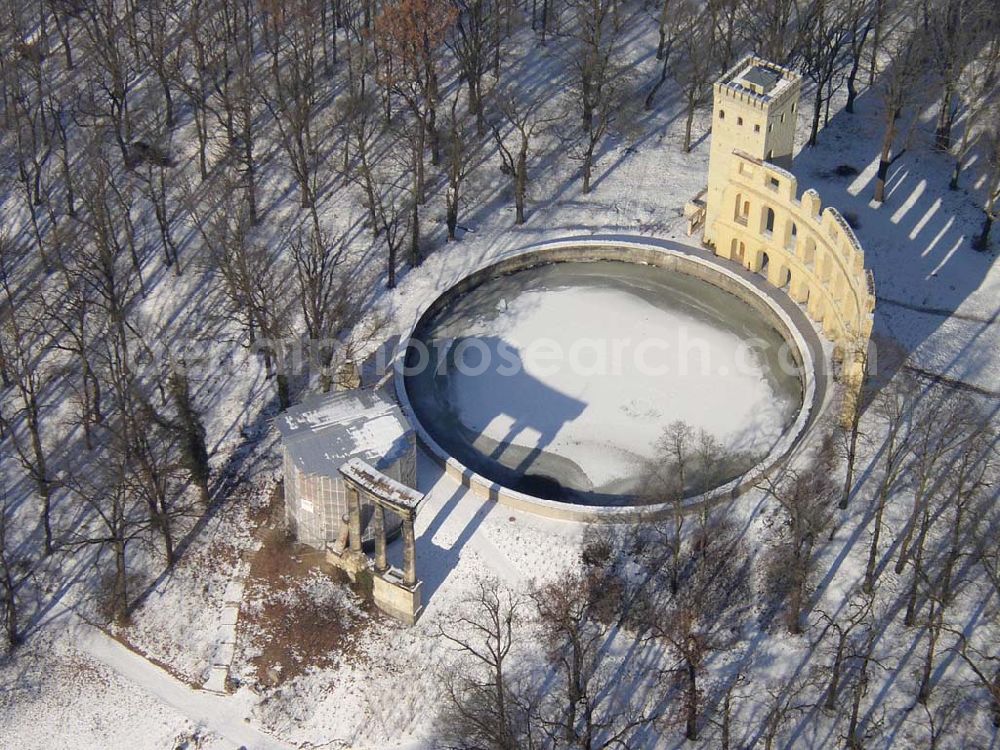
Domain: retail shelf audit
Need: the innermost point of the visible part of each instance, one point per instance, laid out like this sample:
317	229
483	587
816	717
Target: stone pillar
378	527
354	516
409	553
800	288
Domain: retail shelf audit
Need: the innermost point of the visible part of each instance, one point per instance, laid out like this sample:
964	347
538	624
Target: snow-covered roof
325	431
398	495
758	78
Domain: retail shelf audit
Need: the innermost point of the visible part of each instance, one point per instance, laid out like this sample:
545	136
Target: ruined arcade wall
762	223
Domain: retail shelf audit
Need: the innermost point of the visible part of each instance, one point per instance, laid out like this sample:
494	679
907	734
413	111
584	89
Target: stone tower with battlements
755	109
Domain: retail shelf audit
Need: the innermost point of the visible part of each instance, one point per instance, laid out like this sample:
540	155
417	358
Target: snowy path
221	715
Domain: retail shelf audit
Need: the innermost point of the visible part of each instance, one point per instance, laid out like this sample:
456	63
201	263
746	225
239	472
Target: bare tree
991	206
893	406
471	44
783	702
939	424
861	18
771	27
362	129
865	660
897	86
460	160
704	615
847	434
807	499
12	575
481	709
160	49
673	21
575	616
694	67
26	341
844	628
978	90
116	520
253	283
973	476
517	121
231	37
193	71
113	70
295	49
955	32
825	33
409	35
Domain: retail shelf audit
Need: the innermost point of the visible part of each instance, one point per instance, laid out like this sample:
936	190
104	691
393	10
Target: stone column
409	552
378	526
354	514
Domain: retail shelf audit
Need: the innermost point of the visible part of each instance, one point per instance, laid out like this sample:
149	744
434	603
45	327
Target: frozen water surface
558	380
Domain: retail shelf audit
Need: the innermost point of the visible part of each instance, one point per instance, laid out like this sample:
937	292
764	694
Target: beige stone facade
755	107
754	215
809	250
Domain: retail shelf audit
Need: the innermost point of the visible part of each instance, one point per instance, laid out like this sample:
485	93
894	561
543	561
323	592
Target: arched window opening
742	209
768	220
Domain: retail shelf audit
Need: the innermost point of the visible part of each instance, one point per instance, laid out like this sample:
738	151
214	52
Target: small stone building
323	433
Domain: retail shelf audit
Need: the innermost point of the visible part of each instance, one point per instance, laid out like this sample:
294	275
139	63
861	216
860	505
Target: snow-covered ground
72	686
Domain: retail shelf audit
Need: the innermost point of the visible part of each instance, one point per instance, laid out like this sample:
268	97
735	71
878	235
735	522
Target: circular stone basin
560	380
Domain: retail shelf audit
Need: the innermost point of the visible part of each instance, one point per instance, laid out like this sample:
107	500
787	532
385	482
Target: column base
397	599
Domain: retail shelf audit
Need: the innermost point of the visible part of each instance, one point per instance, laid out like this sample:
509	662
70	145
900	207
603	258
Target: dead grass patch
298	612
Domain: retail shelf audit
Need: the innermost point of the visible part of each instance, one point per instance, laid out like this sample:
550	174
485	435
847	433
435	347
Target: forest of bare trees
688	595
143	143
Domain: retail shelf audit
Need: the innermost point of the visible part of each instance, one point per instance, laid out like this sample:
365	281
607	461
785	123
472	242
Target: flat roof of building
760	78
327	430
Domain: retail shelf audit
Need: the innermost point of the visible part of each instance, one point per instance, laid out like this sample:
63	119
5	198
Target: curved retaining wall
803	341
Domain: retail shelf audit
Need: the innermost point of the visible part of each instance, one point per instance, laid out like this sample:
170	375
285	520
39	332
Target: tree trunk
851	457
869	584
415	256
588	163
945	120
835	669
817	111
852	86
982	241
452	211
520	182
10	607
284	392
960	156
691	721
648	104
120	591
924	692
688	122
884	157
